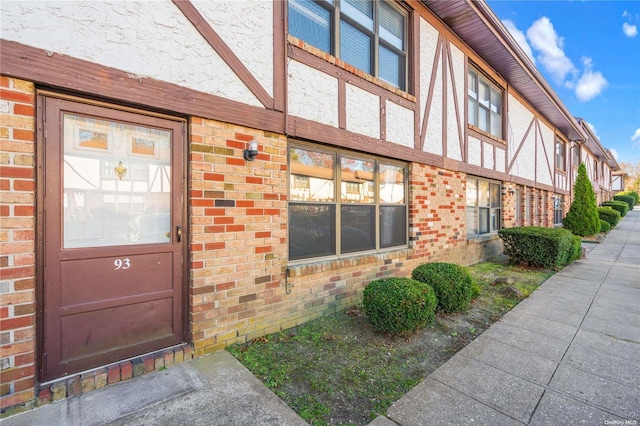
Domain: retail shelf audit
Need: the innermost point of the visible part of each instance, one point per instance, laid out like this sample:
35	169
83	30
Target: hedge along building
132	224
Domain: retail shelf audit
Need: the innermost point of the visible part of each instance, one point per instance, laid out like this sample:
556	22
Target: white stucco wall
455	123
546	137
500	160
433	139
247	28
363	112
475	151
144	38
519	120
399	125
428	45
488	156
313	95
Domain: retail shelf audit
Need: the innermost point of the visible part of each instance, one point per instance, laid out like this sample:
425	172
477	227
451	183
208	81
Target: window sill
482	238
349	68
302	268
481	132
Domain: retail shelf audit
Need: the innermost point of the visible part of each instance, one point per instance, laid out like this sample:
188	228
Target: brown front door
113	248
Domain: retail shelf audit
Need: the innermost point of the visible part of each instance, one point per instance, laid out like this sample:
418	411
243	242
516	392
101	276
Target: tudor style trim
215	41
91	79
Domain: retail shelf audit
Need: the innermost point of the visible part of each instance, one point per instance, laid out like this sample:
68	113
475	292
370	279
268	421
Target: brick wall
238	247
17	242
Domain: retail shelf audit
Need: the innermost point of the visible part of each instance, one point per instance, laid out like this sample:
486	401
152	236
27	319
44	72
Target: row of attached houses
179	176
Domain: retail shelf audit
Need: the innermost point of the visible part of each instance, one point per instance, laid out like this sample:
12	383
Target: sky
589	53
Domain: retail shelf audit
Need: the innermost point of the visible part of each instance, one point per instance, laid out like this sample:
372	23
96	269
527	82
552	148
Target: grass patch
338	370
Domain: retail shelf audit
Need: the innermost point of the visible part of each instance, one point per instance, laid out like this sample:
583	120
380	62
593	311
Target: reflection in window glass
356	180
484	200
369	214
117	183
312	174
392	184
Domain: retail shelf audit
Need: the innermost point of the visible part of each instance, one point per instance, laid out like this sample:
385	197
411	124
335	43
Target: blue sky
589	53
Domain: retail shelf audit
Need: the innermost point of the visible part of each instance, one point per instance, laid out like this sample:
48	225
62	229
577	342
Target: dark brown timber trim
524	139
93	80
191	13
279	56
342	104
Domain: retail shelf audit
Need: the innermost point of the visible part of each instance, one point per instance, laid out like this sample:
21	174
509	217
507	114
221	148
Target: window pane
483	119
473	111
495	195
472	192
312	175
484	93
355	47
393	226
107	202
311	231
358	228
472	221
495	101
473	85
391	67
311	23
356	181
496	125
391	184
518	205
495	219
391	25
483	193
360	11
483	220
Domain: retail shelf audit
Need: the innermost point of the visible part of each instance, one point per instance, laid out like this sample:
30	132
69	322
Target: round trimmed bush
452	284
609	215
398	305
620	206
629	199
604	226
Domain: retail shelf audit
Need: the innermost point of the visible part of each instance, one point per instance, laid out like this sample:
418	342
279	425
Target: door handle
178	233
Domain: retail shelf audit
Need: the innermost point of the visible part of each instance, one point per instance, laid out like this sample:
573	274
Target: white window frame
491	108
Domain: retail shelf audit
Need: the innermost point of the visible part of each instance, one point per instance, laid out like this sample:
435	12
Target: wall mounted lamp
252	151
512	191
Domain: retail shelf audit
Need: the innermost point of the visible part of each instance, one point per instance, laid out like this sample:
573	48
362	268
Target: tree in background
582	218
632	182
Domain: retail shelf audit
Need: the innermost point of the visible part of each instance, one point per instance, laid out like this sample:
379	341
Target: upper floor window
561	155
348	203
485	104
371	36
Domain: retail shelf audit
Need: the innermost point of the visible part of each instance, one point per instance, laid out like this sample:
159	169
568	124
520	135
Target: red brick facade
17	242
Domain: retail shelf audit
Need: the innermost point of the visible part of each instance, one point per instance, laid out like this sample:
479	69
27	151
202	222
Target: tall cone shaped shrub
582	218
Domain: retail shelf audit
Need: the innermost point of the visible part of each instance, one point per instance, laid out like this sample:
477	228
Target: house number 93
121	264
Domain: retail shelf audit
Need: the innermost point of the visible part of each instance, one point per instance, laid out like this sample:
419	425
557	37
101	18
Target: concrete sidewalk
568	354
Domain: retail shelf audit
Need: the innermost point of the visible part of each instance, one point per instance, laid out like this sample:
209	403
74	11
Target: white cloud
546	41
629	29
636	137
625	14
590	84
614	153
520	38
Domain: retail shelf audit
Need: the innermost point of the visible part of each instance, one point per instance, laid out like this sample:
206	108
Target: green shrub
576	249
451	283
609	215
475	290
582	218
398	305
620	206
629	199
539	246
604	226
634	194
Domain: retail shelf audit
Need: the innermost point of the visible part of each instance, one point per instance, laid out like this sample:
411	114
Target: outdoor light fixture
512	191
251	153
